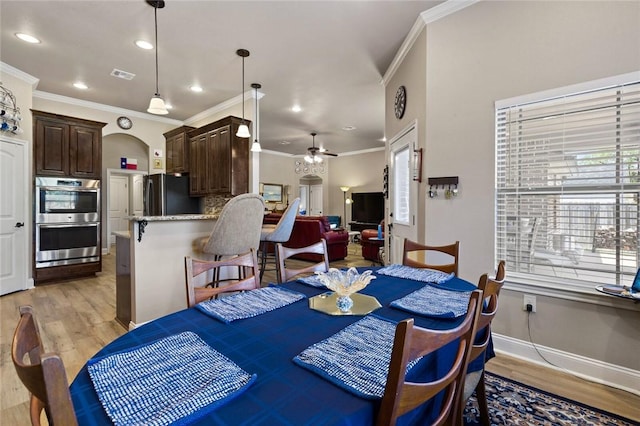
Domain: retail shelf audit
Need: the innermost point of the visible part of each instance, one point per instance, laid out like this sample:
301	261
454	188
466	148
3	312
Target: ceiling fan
314	153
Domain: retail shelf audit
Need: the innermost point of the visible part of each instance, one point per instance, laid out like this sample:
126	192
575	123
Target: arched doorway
311	195
122	191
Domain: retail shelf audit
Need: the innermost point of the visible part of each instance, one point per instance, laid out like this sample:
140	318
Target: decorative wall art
272	192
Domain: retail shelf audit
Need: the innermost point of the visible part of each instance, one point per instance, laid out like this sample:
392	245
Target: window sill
568	291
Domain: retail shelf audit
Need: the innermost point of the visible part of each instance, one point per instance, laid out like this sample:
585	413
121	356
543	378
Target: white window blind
567	187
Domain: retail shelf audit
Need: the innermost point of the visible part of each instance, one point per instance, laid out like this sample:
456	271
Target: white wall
496	50
362	172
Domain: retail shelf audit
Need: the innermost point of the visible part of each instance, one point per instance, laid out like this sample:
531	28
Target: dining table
282	391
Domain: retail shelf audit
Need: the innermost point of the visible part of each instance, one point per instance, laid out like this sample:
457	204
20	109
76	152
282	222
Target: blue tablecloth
284	393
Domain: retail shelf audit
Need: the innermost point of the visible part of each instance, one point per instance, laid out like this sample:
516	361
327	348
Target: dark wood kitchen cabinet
177	148
67	146
219	159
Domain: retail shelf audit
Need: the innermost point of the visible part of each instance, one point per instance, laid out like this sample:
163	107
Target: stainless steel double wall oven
67	221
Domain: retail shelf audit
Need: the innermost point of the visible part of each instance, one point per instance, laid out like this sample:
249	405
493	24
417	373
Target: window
401	186
567	185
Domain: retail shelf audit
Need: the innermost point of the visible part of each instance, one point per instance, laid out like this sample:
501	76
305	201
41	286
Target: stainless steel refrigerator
166	195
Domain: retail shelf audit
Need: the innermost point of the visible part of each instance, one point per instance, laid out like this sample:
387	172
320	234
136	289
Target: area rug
512	403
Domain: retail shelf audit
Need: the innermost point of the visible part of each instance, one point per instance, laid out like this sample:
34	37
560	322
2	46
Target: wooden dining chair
412	342
474	381
284	253
43	374
411	249
196	268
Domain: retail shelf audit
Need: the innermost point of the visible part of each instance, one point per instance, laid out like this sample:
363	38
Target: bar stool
236	231
279	233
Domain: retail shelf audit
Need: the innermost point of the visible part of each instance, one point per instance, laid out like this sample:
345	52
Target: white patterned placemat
249	303
356	358
172	380
435	302
418	274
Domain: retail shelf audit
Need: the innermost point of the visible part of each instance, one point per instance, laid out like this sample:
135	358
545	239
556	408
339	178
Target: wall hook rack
447	183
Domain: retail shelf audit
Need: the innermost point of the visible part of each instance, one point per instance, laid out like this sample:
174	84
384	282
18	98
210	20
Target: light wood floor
76	319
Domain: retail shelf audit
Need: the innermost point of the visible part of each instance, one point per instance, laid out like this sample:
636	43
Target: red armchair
371	248
311	229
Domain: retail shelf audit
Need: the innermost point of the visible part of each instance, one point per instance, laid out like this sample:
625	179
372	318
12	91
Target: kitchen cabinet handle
19	224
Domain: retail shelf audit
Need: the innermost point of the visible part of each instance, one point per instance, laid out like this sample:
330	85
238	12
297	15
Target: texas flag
128	163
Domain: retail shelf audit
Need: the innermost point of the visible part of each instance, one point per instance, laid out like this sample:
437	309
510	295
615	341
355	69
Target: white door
315	200
118	205
137	204
13	217
304	200
403	193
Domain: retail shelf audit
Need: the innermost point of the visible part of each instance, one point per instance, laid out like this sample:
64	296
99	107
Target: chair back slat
412	342
284	253
414	247
195	268
43	374
490	293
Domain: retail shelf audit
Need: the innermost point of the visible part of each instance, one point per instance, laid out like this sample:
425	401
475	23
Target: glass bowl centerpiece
344	284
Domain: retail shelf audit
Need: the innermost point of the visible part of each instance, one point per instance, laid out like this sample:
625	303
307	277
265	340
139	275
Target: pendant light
156	106
243	129
255	146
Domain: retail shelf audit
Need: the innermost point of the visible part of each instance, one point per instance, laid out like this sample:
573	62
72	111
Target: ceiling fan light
243	131
157	106
255	146
308	159
317	159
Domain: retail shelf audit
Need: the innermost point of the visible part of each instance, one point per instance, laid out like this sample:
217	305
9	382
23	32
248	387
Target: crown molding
342	154
249	94
102	107
21	75
445	9
428	16
363	151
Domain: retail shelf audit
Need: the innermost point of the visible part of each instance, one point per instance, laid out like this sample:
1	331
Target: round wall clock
125	123
400	102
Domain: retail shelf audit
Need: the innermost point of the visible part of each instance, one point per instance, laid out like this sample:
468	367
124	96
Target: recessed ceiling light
80	85
28	38
144	45
285	143
195	88
348	128
296	108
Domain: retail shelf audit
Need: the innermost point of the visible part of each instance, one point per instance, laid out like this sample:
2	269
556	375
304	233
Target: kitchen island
157	247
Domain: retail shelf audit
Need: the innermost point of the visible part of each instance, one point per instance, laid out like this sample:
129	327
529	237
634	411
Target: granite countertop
123	234
175	217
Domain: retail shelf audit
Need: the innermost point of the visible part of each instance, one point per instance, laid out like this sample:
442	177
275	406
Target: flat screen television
367	207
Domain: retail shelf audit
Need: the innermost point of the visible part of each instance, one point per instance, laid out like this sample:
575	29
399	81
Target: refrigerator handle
147	197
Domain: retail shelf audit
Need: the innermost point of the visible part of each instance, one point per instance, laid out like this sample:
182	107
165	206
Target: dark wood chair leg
481	396
263	258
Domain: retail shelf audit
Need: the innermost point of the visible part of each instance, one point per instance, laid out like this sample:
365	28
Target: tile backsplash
213	204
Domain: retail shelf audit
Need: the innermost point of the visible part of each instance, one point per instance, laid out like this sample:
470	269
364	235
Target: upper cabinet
177	150
67	146
219	161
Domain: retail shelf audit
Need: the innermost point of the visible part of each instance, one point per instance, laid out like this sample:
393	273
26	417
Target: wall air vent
122	74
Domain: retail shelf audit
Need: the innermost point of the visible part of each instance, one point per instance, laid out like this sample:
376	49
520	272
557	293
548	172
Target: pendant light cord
243	122
256	118
155	9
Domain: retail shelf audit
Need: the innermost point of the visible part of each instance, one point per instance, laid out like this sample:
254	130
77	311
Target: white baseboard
586	368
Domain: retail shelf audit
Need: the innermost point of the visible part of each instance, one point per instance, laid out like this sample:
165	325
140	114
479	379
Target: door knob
19	224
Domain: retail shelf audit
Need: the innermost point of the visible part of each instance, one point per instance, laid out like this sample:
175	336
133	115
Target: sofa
310	229
371	248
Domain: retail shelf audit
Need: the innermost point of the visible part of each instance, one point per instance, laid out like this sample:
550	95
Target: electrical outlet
529	300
